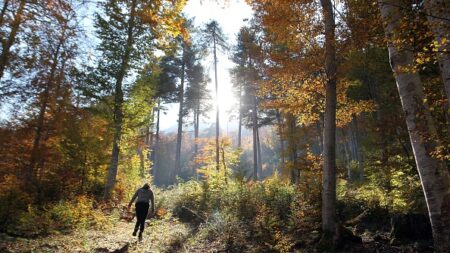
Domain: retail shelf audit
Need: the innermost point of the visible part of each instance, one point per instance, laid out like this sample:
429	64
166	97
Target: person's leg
136	227
145	207
139	213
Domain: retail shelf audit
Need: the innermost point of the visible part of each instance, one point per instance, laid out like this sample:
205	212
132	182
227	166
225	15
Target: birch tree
434	175
438	15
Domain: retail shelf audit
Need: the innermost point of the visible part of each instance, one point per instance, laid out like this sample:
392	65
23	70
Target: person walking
143	197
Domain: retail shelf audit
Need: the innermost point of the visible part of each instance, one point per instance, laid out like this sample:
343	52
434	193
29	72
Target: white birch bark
434	175
438	16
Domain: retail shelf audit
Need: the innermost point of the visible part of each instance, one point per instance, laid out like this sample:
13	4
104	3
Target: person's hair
146	186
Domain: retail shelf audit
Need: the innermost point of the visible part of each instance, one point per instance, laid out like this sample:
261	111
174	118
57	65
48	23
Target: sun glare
202	12
227	99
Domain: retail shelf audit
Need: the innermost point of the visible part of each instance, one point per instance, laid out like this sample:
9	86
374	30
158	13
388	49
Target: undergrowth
264	216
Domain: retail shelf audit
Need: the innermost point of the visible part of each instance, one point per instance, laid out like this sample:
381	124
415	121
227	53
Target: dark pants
141	215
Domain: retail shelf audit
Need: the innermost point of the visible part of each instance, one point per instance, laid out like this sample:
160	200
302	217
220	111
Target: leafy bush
59	217
397	189
237	212
78	213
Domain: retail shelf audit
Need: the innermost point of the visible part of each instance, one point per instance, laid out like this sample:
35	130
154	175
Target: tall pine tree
127	29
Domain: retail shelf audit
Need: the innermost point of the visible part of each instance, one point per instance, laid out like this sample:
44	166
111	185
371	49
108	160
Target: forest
335	137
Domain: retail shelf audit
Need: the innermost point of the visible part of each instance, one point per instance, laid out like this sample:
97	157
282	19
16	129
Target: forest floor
160	235
165	234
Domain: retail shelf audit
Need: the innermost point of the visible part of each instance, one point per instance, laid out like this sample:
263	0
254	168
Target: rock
410	227
187	215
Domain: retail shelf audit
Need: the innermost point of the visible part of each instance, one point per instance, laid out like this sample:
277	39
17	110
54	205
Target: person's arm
152	199
132	199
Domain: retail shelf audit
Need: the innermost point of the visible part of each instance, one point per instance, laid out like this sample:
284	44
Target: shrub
236	211
226	229
397	190
59	217
13	201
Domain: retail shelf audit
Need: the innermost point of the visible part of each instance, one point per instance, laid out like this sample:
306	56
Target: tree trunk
347	155
433	174
223	162
41	119
158	115
4	57
259	153
240	117
197	127
150	135
156	148
439	22
217	103
180	121
280	133
49	106
329	226
292	147
352	143
118	103
357	148
196	135
37	138
255	145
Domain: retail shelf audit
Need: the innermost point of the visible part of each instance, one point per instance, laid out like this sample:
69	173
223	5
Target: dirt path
161	236
166	235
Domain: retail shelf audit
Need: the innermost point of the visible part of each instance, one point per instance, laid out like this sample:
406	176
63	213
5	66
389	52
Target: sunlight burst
226	97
